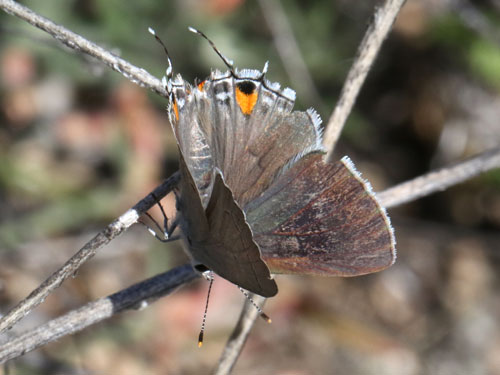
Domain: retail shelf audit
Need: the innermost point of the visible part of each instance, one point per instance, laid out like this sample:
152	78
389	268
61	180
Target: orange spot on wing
200	85
246	101
176	110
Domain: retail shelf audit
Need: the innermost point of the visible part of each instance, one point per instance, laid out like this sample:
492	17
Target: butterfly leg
167	230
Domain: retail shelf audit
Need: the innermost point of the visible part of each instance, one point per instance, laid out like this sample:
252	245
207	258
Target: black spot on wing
246	87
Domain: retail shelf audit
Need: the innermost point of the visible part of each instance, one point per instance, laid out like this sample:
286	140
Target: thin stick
86	252
440	179
289	51
135	296
132	73
367	52
476	20
239	336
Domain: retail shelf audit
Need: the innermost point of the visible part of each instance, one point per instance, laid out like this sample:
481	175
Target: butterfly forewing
219	237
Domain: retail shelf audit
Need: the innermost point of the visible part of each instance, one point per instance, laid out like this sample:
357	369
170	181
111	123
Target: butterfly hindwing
193	143
321	219
251	138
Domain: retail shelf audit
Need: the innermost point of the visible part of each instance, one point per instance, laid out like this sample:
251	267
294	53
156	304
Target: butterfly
255	196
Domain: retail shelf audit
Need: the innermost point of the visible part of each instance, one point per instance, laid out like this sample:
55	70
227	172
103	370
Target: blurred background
79	145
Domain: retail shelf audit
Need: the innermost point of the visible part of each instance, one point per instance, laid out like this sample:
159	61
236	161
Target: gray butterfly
256	197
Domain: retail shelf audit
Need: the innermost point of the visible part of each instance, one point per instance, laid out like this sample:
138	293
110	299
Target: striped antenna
210	277
169	71
261	313
227	62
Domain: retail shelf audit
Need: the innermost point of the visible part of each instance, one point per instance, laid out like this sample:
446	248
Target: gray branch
440	179
289	51
137	296
134	74
475	20
86	252
239	336
367	52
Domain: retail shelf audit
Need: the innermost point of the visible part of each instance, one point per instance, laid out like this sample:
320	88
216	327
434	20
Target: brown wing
321	219
221	239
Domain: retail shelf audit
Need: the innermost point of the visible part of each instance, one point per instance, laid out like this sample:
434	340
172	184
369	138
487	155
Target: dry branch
72	40
86	252
367	52
440	179
136	296
289	51
239	336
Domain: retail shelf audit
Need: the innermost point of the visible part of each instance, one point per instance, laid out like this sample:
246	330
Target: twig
85	253
289	50
475	20
367	52
239	336
440	179
132	73
137	296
